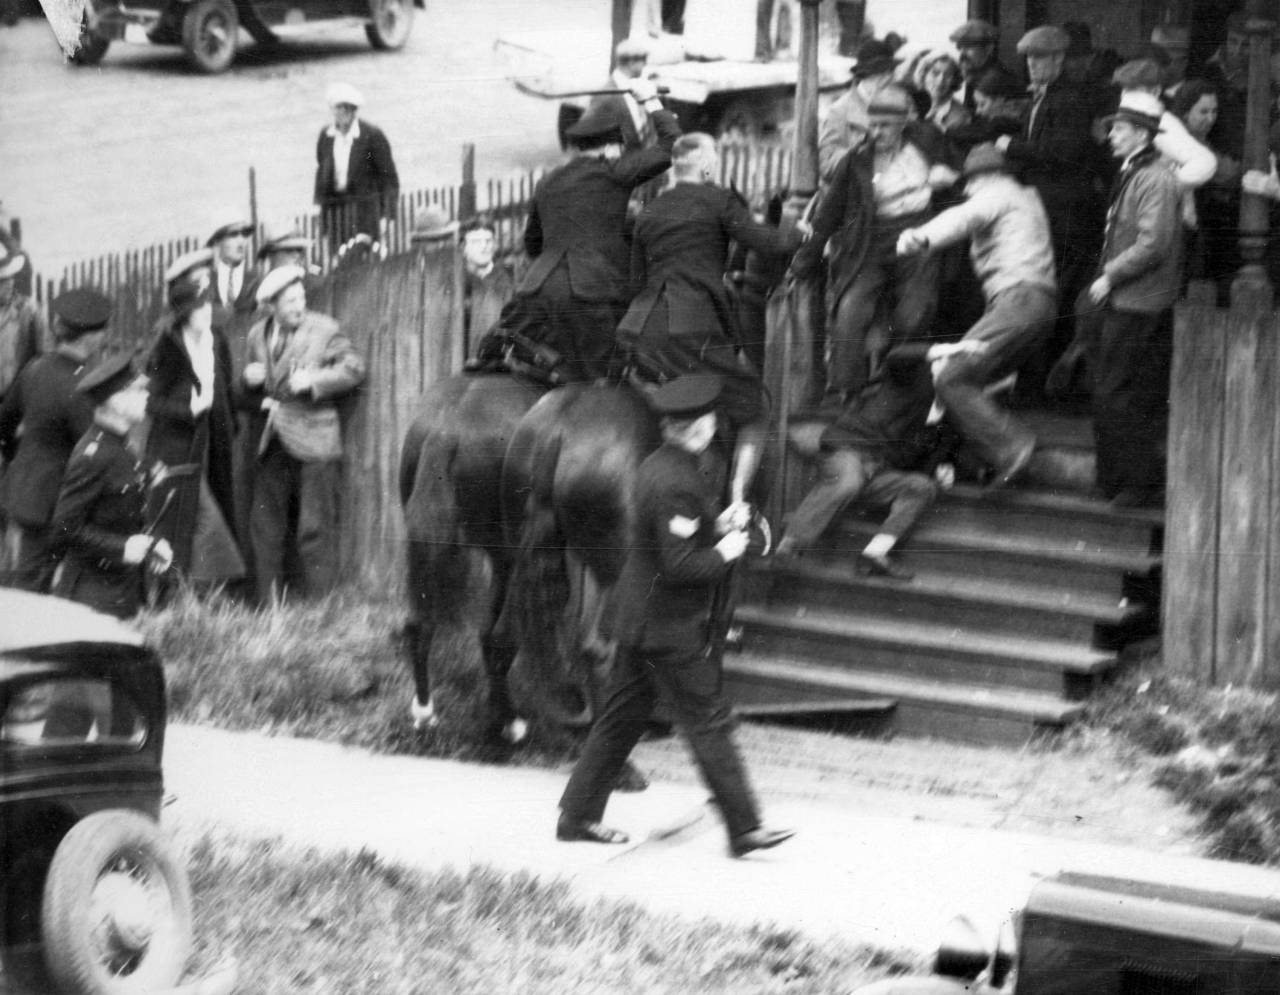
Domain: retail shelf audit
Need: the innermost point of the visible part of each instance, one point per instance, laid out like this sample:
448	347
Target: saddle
512	345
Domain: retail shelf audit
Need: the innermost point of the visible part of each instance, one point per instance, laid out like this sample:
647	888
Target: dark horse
543	486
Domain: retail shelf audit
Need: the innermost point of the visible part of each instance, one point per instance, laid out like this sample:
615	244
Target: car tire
117	908
390	22
209	34
90	47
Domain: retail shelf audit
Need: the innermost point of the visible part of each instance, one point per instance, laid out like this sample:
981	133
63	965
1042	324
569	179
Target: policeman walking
98	524
683	551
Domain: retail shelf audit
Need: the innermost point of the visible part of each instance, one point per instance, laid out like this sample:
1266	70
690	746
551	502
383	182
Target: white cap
343	93
277	280
186	262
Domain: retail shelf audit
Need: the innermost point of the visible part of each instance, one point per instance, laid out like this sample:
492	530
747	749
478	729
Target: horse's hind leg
499	653
420	631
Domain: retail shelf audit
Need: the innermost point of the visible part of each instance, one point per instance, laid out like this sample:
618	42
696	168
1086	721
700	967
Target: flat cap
109	376
83	309
985	158
186	262
600	119
343	93
1048	39
873	58
229	229
277	280
975	32
689	396
1137	73
293	241
999	83
891	101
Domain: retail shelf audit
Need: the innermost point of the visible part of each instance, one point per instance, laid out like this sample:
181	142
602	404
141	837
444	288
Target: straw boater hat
432	224
10	265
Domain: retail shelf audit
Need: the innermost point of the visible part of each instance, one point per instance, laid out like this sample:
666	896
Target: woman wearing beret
188	401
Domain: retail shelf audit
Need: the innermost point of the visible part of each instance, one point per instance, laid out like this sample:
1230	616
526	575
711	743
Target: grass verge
334	669
1217	752
297	921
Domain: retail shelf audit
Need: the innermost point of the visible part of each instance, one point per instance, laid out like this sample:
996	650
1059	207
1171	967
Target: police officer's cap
82	310
689	396
975	32
277	280
227	230
1048	39
598	123
112	374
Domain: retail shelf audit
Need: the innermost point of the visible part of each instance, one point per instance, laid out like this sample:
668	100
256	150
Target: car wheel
117	908
91	46
209	30
390	22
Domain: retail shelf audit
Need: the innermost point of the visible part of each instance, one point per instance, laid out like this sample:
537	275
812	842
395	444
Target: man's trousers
281	485
691	684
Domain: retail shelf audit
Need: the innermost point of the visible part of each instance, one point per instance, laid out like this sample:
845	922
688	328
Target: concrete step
852	642
970	602
924	707
940	545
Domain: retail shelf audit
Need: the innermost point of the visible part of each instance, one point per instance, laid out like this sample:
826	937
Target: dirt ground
1086	787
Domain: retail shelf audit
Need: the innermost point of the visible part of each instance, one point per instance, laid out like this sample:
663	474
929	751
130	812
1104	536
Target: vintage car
92	900
209	30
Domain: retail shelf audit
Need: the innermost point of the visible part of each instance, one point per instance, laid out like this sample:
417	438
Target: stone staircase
1020	604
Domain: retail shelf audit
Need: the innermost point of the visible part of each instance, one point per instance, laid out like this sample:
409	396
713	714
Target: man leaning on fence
298	364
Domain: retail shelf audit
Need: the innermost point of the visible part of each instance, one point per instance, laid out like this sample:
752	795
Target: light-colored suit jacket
306	424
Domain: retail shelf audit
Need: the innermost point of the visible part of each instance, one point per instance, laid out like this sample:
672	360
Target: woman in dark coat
191	431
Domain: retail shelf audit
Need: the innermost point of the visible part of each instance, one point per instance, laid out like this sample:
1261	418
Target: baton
524	87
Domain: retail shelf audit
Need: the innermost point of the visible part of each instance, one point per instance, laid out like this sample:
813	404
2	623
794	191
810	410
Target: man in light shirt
357	186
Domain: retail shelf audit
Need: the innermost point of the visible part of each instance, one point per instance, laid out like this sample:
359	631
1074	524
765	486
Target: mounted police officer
683	550
99	523
53	416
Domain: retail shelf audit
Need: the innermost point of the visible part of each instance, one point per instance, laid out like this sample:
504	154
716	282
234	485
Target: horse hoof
516	731
424	716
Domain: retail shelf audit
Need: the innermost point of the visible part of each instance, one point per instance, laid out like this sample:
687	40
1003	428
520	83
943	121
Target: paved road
142	149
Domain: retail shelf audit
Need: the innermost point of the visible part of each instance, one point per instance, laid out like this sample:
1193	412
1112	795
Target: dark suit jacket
1058	155
372	180
679	252
54	417
671	572
579	218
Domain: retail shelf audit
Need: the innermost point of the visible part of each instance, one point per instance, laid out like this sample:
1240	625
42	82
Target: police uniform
664	634
101	504
53	417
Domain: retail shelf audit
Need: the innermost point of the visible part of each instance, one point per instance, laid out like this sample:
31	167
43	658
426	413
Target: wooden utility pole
1251	287
804	162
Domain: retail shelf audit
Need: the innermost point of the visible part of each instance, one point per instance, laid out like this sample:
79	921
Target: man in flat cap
1007	230
1055	153
975	43
357	186
875	193
1128	308
847	123
299	363
683	550
578	285
54	416
99	528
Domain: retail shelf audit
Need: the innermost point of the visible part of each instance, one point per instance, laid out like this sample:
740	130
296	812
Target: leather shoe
759	838
881	566
1012	469
570	830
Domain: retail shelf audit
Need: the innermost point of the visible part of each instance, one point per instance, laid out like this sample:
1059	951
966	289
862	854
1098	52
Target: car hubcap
126	913
215	35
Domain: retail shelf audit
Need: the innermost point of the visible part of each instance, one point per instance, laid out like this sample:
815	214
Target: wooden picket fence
405	314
